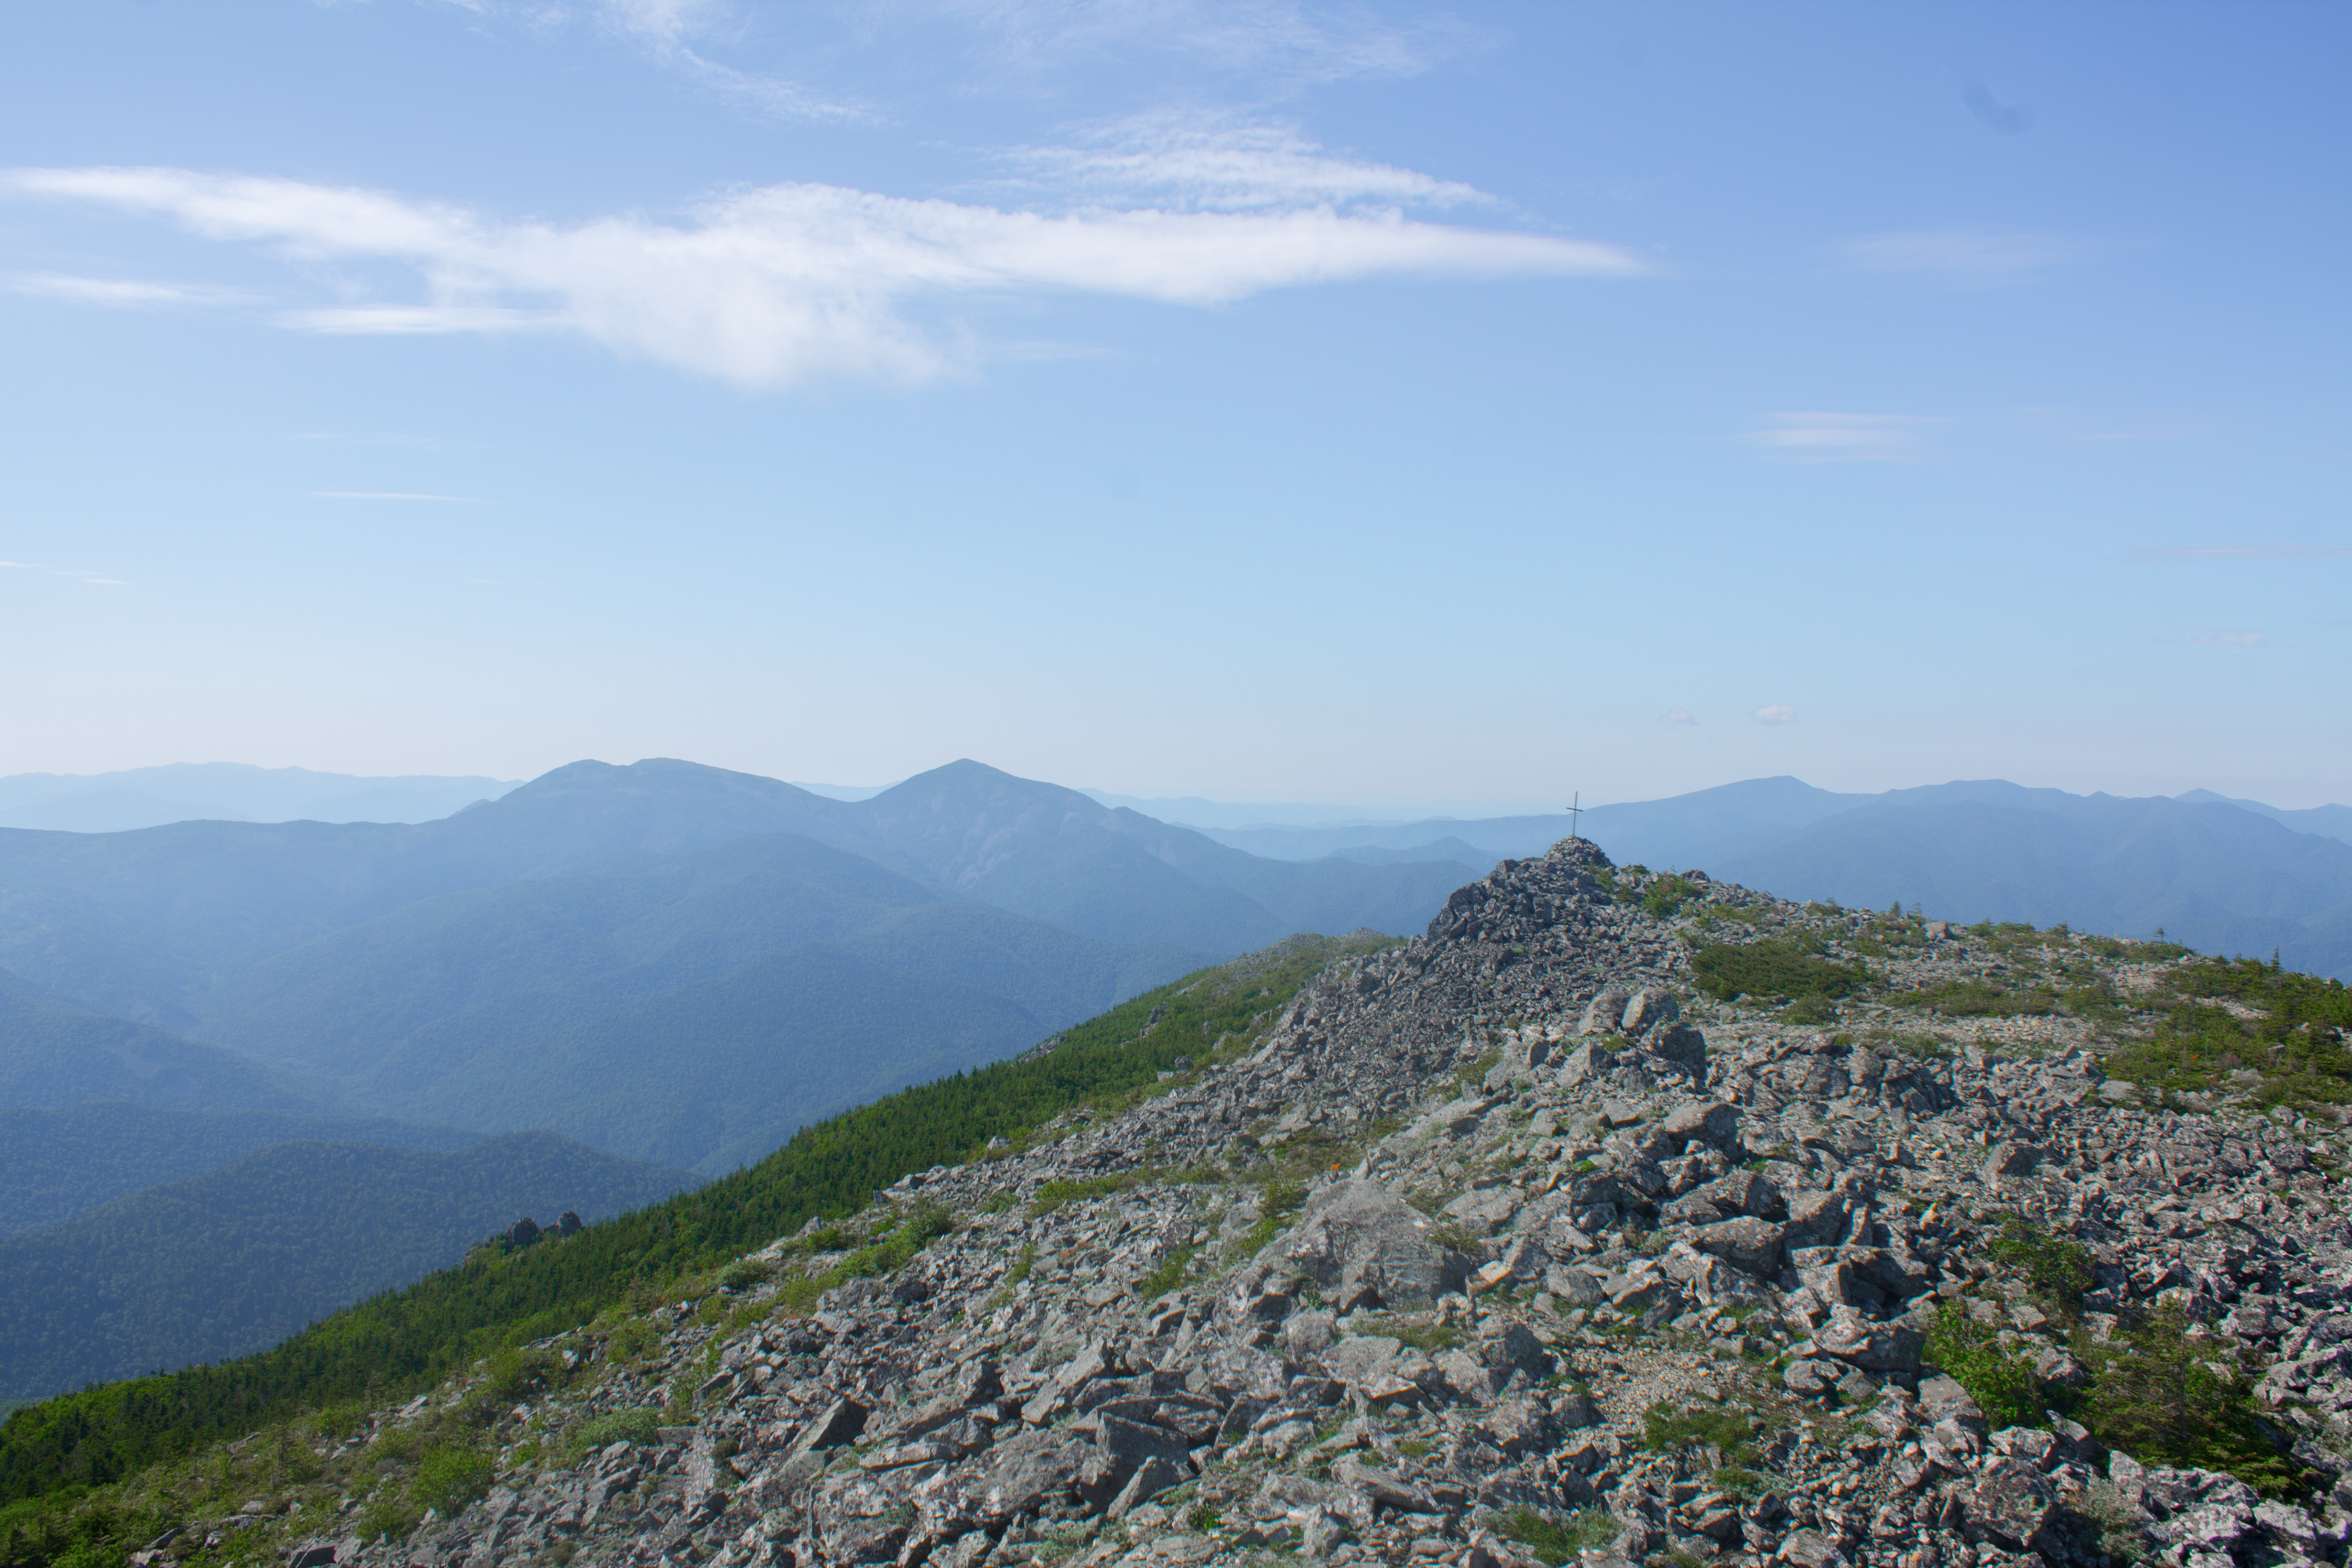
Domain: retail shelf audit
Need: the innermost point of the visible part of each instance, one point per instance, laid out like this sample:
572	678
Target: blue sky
1423	409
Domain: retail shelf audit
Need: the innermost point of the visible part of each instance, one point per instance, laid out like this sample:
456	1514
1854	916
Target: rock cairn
1417	1279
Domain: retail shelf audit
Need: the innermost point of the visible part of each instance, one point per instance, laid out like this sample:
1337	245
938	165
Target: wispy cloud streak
791	282
1197	162
2245	553
1825	438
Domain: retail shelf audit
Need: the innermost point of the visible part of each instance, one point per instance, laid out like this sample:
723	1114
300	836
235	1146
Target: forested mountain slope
56	1164
53	1053
229	1262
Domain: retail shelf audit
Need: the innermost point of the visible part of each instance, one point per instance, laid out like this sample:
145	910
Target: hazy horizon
1219	815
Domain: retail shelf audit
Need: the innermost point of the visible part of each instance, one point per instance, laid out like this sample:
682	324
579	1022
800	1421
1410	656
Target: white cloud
2247	552
786	283
1822	438
1973	254
1209	163
2210	639
1776	713
120	292
1676	716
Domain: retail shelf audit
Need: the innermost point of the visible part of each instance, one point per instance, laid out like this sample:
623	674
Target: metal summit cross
1574	810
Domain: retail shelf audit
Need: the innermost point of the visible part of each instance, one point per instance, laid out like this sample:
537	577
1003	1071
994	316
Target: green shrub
1667	897
2155	1399
1772	966
2057	1271
745	1273
632	1340
449	1477
2004	1387
387	1517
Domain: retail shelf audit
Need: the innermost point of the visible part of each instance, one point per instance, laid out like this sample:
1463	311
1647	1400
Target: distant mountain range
246	1066
524	962
228	791
250	1032
2224	875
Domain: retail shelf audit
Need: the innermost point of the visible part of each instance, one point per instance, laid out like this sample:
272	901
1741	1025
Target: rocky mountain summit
1553	1233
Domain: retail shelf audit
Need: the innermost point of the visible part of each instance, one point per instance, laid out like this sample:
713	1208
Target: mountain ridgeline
2223	875
524	963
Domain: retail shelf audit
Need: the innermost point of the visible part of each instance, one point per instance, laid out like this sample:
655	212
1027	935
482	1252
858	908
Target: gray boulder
2010	1503
1869	1346
1645	1008
1361	1241
1605	1012
1750	1245
1712	1122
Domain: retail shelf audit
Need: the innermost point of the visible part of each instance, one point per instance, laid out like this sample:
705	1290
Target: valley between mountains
1620	1217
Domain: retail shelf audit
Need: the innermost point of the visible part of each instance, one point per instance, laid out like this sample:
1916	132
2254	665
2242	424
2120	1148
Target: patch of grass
1555	1544
1739	1481
1281	1198
1981	999
1168	1275
1474	1076
613	1426
1052	1195
1457	1238
1667	1430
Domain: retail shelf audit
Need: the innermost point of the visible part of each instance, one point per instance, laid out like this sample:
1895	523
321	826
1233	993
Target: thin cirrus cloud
1776	713
667	31
1963	254
789	284
2281	552
2213	637
1826	437
1676	716
1276	42
1208	164
78	575
122	293
390	495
